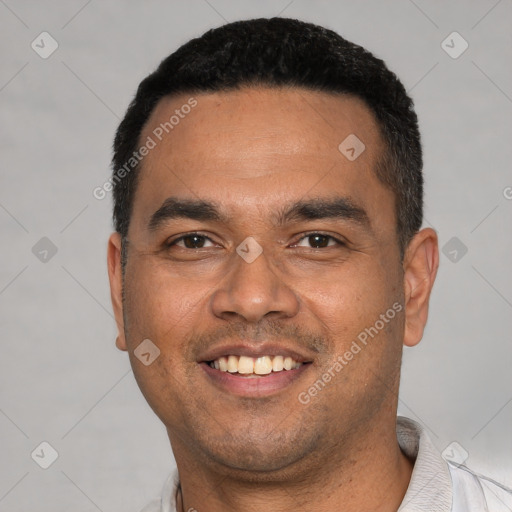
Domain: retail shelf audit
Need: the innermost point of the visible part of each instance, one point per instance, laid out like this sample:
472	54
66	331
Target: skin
253	151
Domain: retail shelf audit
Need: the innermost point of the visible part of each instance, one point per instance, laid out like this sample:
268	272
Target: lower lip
264	385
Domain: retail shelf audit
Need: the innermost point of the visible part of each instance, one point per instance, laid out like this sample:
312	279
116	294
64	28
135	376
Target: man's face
324	276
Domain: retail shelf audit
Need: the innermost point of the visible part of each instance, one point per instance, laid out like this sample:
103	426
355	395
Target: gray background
61	378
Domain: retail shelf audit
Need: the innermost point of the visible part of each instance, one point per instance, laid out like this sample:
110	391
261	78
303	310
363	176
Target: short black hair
283	52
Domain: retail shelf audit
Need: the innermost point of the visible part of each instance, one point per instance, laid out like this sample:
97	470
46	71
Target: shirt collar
430	487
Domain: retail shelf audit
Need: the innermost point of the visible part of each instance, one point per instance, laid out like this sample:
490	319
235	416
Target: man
267	267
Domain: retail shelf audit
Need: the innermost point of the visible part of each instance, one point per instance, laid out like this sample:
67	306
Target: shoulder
472	491
438	483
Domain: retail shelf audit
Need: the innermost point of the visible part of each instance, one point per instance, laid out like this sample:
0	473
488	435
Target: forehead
259	146
304	121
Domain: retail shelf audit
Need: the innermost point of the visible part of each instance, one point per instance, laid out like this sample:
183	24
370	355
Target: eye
319	241
190	241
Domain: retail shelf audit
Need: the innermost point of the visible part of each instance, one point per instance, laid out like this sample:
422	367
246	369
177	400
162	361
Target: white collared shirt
435	486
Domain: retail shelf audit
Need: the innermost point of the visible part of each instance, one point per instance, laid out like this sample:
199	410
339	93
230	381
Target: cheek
352	298
164	311
158	305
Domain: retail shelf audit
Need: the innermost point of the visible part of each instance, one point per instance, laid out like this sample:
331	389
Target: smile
263	365
254	377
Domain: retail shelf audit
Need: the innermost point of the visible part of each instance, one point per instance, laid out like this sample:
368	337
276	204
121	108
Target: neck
373	475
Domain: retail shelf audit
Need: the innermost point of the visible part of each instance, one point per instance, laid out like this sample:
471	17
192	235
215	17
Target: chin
248	468
267	459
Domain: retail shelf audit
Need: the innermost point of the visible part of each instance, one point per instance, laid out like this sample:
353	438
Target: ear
116	285
421	262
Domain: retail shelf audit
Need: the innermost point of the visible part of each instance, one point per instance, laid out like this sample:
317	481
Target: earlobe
121	343
420	268
116	286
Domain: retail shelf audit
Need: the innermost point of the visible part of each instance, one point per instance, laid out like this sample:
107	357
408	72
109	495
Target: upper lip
260	350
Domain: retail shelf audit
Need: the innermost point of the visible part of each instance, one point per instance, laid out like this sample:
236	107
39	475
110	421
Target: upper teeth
260	365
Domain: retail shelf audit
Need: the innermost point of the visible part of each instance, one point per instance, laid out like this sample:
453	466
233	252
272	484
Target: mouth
254	375
250	366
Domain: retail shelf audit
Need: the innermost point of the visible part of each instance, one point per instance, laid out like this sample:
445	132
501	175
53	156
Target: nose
252	291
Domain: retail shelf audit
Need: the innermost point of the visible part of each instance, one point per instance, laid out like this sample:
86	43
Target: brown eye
192	241
319	241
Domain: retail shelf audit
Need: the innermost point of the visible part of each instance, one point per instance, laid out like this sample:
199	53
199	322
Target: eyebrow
341	208
174	208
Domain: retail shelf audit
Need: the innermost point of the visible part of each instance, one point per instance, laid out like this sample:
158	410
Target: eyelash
307	235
